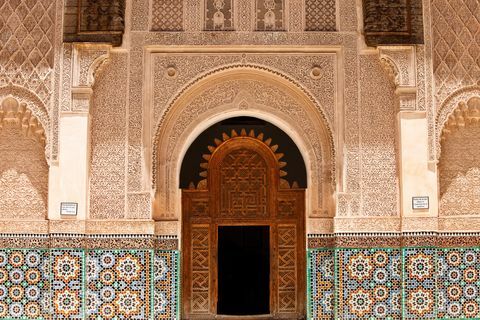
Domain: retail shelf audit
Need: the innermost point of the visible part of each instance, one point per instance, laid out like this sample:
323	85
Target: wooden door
242	187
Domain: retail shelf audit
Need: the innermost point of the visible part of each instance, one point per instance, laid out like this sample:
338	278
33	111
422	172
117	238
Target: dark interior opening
190	170
243	270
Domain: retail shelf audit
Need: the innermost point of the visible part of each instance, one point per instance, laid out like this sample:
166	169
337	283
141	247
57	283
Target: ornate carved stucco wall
361	97
107	183
337	73
456	62
28	83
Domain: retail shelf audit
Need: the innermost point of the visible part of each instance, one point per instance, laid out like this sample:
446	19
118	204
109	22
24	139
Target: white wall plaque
420	203
68	208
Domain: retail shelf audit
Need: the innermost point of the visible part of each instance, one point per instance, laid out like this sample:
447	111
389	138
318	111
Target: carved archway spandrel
217	95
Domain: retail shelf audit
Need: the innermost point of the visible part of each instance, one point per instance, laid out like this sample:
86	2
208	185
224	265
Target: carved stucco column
69	177
418	176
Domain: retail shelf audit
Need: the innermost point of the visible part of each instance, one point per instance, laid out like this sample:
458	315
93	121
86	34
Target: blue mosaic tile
67	283
118	284
166	282
321	286
458	283
369	284
419	283
24	284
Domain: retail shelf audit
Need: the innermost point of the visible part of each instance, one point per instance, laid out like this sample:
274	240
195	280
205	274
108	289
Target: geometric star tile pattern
321	288
166	304
458	283
118	284
369	283
409	283
419	283
67	283
24	284
89	284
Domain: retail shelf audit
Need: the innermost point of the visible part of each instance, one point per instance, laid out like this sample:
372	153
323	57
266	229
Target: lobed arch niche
23	165
236	91
459	161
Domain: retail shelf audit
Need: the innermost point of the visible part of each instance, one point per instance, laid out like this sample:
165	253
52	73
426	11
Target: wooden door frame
200	209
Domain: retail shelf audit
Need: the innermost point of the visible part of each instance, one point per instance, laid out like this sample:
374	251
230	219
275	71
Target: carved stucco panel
378	147
108	131
322	87
297	66
225	97
362	224
352	125
456	45
23	167
35	106
459	165
27	45
166	86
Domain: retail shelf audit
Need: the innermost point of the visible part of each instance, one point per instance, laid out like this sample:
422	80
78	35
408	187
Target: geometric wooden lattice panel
287	268
243	185
200	261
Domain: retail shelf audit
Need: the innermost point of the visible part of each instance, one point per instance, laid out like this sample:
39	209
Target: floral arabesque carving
399	64
89	60
274	95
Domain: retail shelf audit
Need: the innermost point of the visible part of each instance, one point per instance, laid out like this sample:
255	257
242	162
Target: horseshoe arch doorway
243	186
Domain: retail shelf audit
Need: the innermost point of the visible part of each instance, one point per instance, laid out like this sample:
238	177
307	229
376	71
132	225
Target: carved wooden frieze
393	22
94	21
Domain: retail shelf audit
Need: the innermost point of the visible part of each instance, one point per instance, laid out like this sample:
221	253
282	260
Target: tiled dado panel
408	283
88	284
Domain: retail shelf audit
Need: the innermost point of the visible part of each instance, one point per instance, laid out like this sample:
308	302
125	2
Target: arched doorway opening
243	231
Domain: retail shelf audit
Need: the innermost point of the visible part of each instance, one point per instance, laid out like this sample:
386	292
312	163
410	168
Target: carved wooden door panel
243	186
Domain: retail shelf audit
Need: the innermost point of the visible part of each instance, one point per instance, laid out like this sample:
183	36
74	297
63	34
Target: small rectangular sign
420	203
68	208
